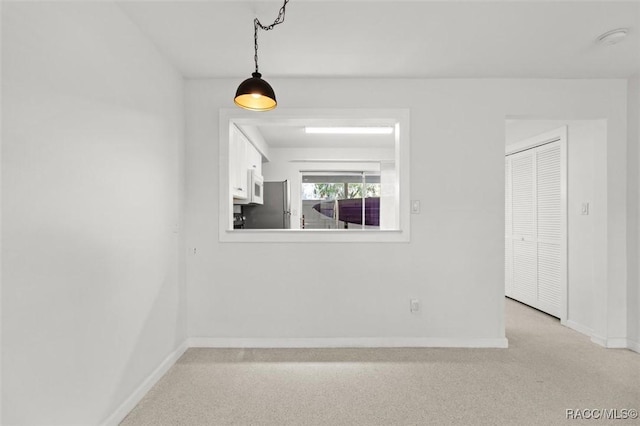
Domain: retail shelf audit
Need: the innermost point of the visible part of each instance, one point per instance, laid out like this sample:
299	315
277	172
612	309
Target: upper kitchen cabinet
237	164
254	159
243	157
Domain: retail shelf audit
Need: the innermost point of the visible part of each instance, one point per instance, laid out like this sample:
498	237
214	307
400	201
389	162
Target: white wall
584	138
633	119
92	156
285	164
1	210
454	262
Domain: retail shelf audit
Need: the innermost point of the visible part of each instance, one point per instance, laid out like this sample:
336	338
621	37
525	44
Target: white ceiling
355	38
395	39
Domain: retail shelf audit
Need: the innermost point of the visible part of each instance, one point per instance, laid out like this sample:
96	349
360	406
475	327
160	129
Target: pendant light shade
255	94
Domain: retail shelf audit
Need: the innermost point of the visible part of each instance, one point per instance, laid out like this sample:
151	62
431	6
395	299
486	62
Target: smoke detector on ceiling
613	36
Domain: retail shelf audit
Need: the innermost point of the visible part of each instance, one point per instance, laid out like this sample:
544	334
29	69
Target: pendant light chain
257	24
254	93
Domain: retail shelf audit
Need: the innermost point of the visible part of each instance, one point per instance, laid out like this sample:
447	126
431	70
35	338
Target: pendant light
254	93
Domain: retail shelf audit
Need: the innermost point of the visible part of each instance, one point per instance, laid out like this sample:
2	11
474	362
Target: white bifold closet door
534	227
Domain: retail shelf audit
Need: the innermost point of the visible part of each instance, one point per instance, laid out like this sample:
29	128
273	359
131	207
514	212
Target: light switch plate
584	209
415	206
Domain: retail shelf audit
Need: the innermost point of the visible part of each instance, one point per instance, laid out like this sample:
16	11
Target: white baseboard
361	342
121	412
599	340
613	343
617	343
579	328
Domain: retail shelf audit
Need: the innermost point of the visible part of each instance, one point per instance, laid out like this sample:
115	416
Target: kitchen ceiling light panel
381	130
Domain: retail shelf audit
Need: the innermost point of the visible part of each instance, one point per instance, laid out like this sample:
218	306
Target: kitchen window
340	200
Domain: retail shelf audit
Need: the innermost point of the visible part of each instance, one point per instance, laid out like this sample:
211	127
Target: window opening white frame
398	118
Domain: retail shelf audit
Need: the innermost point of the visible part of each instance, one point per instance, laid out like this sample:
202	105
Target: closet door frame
557	135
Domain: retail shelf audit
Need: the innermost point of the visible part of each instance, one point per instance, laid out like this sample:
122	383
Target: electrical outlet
414	305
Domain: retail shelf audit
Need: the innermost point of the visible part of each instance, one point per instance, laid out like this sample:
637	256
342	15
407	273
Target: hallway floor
547	370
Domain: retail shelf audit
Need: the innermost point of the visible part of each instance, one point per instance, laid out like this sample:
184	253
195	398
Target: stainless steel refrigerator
274	213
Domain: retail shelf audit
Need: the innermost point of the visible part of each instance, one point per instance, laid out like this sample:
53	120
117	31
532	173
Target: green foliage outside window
336	191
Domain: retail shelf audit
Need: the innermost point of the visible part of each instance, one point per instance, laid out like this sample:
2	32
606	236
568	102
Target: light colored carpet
547	369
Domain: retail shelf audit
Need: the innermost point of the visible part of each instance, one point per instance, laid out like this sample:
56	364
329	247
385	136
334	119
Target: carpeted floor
547	370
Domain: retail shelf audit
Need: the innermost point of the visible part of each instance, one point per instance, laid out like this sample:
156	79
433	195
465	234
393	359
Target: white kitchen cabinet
243	156
254	159
238	164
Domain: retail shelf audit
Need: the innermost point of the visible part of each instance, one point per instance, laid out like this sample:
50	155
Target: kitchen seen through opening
283	177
